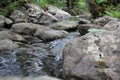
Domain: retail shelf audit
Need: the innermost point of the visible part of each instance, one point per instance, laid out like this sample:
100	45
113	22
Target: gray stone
112	25
104	20
60	14
7	45
47	34
30	78
25	28
18	16
4	20
66	25
5	35
46	18
94	56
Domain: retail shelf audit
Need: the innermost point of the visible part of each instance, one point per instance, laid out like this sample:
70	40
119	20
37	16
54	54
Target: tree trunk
94	8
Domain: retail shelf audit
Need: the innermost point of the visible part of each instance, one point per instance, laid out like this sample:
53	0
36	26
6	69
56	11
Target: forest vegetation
96	7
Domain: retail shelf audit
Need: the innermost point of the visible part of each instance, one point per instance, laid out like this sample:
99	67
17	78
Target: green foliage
82	5
42	3
10	7
113	11
100	1
58	3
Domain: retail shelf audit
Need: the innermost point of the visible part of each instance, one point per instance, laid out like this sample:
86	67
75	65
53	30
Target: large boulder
38	15
47	34
94	56
60	14
7	44
25	28
104	20
112	25
66	25
18	16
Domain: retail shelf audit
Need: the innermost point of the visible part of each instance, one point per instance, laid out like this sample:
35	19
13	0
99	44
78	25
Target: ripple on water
42	59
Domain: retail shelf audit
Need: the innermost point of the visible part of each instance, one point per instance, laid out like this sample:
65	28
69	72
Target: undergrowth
10	7
110	10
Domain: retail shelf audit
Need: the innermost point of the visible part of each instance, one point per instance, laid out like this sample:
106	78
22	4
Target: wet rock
60	14
47	34
83	28
11	36
32	39
66	25
4	21
25	28
103	20
7	45
112	25
30	60
30	78
19	38
18	16
94	56
46	18
5	35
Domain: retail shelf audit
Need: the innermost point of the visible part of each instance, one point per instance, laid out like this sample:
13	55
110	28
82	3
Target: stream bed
41	58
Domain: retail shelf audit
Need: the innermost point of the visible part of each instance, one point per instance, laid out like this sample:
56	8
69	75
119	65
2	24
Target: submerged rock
94	56
30	78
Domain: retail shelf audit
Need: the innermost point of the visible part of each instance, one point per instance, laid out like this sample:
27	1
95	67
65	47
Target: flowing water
43	58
